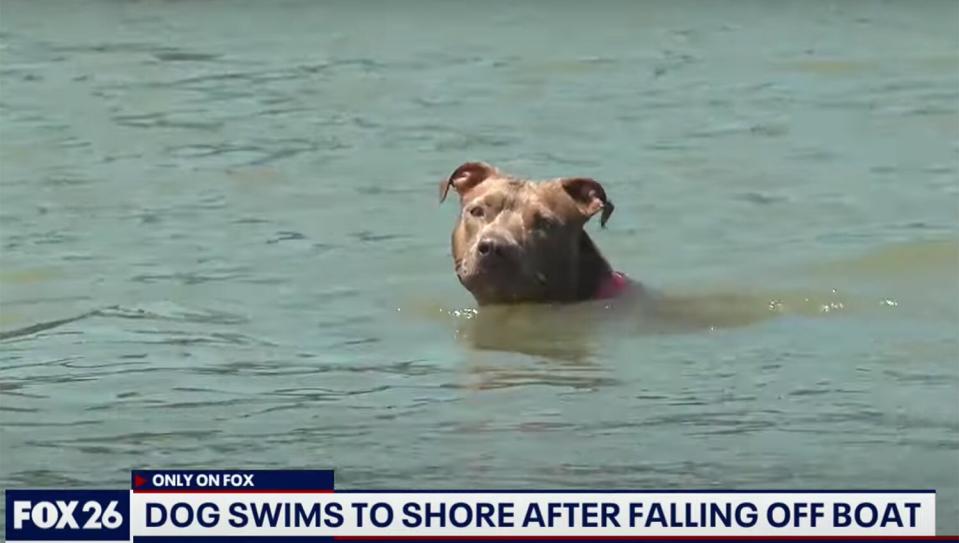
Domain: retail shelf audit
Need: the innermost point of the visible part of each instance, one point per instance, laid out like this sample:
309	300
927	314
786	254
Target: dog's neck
593	269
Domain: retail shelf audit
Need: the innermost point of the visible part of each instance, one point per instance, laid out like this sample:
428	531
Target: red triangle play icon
138	481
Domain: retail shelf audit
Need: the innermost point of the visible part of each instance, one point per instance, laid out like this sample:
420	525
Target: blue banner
231	480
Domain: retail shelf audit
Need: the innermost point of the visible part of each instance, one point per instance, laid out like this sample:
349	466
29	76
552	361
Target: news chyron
301	505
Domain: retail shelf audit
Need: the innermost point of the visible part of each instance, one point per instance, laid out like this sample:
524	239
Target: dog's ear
589	197
466	177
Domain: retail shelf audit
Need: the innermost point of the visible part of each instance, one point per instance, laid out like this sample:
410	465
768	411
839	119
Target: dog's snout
494	248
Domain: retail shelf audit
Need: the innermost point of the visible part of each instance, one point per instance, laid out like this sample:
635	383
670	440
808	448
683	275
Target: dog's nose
485	246
489	247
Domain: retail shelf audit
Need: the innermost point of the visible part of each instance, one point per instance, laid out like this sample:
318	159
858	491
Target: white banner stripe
535	514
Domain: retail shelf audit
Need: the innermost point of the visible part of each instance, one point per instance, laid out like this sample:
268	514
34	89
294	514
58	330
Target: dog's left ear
589	197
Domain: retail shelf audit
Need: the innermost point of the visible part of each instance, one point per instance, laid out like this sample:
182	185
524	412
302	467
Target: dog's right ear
466	177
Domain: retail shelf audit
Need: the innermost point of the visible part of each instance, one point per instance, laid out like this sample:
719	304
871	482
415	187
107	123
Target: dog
522	241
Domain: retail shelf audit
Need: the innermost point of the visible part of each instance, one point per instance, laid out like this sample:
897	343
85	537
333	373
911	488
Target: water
221	245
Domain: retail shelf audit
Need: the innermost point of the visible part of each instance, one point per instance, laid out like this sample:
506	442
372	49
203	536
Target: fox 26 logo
65	515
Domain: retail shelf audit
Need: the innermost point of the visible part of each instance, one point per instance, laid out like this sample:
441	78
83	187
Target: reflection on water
214	217
562	342
561	332
566	331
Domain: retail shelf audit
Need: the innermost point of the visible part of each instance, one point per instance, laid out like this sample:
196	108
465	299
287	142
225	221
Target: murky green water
233	207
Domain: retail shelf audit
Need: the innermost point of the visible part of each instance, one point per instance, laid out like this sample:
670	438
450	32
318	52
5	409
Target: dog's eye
541	222
476	211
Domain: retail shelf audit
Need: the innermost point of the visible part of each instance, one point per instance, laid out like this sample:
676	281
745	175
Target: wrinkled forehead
500	189
520	194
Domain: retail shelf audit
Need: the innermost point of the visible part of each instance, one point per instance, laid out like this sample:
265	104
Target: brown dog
522	241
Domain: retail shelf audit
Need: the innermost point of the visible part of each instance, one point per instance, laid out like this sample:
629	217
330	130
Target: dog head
518	240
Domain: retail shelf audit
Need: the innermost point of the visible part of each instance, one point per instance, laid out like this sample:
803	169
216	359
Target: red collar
612	286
